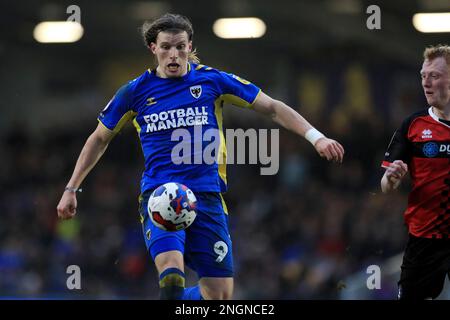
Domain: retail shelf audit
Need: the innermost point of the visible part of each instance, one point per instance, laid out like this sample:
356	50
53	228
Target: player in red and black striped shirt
422	146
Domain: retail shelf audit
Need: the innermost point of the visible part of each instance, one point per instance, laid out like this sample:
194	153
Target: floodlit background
309	232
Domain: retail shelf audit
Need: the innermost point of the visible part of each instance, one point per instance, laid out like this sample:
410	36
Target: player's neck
442	113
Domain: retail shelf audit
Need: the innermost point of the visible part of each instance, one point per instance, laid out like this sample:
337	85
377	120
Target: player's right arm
92	151
393	176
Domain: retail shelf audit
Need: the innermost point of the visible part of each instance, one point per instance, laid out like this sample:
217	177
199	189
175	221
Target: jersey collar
435	117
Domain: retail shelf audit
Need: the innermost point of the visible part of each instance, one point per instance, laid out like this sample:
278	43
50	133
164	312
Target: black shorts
426	262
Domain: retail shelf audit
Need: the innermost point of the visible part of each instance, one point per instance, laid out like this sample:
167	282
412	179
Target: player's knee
169	259
170	264
217	289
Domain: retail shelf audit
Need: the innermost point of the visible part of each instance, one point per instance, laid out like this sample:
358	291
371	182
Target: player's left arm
293	121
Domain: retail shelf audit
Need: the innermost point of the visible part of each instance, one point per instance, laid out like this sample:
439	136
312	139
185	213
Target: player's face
436	82
172	52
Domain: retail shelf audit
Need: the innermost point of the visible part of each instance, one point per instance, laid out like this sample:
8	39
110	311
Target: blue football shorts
205	244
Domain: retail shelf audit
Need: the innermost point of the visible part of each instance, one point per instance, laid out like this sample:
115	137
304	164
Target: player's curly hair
440	50
169	22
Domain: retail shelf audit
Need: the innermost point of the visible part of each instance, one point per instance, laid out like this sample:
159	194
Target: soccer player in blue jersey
180	93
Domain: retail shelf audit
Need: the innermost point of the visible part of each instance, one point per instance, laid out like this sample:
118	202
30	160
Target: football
172	206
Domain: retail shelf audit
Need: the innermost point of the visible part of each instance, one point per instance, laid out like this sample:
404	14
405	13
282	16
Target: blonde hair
440	50
193	57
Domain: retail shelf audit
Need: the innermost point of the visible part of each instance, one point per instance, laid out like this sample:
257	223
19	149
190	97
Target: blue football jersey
161	107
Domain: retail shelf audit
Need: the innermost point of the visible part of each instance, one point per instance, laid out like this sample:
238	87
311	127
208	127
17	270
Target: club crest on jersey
196	91
427	134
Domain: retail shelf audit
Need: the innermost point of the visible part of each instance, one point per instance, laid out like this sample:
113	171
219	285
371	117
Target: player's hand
330	149
396	171
67	206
